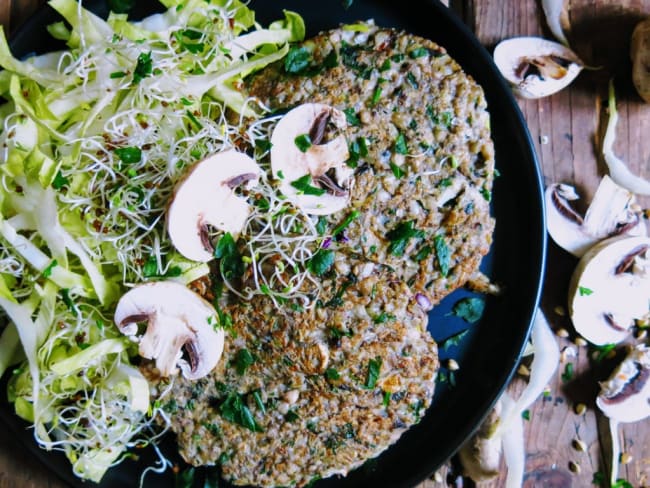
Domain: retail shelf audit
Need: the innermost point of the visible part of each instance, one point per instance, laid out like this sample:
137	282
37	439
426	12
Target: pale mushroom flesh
609	214
173	326
308	157
610	289
625	396
536	67
207	198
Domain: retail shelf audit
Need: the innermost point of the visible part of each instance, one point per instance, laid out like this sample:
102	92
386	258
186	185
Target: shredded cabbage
93	140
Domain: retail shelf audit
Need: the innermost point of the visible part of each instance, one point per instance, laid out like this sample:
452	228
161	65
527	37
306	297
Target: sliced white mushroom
536	67
181	328
310	165
206	197
625	396
608	215
610	289
640	54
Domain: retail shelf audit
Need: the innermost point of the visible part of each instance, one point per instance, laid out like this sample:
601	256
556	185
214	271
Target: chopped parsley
351	117
400	236
332	374
129	155
303	142
372	375
291	416
231	264
470	309
143	67
297	60
584	291
321	262
387	397
304	185
243	360
400	144
47	272
346	222
321	226
568	372
525	415
59	181
383	317
418	52
397	171
234	410
442	254
454	340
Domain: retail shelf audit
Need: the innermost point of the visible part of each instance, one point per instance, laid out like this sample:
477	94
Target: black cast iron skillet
490	352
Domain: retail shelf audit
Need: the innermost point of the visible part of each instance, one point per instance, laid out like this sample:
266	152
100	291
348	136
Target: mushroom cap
289	163
204	197
179	322
603	301
511	53
608	215
625	396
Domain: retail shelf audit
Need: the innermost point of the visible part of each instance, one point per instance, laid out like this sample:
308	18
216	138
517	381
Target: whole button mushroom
206	197
311	165
181	328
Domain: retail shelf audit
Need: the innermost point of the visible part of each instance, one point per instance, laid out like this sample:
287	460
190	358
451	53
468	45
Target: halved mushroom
181	328
206	197
308	156
625	396
610	289
536	67
608	215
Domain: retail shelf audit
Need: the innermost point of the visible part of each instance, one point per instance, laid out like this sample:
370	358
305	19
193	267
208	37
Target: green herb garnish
297	60
442	254
230	260
469	309
234	410
143	67
303	142
374	368
321	262
243	360
304	185
400	236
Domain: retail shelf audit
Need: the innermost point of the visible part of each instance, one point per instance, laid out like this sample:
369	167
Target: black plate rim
538	259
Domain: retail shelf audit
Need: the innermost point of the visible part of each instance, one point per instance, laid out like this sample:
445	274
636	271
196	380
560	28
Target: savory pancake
302	395
419	136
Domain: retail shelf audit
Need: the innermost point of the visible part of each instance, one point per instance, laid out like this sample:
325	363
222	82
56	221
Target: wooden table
564	128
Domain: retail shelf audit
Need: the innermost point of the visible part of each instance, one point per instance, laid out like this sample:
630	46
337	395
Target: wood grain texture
566	130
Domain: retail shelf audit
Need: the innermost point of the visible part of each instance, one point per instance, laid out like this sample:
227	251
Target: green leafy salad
94	140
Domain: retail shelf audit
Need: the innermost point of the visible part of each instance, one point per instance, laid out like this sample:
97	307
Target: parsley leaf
584	292
374	368
400	144
332	374
351	117
234	410
47	272
568	372
400	236
59	181
454	340
230	264
469	309
143	68
303	142
442	254
129	155
321	262
304	185
243	360
298	60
